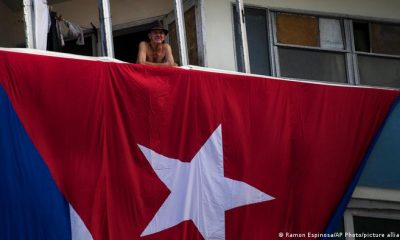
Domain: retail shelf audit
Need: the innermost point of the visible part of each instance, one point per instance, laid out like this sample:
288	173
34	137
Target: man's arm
168	55
141	57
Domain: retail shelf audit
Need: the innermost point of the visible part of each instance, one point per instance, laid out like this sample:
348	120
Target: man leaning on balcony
156	51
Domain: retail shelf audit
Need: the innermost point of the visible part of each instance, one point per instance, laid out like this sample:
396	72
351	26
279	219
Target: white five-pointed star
199	190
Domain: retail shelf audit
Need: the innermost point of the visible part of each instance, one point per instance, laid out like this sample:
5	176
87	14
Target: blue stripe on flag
31	205
333	224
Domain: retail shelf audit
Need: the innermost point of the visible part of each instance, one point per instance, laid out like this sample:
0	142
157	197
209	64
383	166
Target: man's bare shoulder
166	46
143	43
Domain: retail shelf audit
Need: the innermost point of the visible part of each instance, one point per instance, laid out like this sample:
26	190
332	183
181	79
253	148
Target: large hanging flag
104	150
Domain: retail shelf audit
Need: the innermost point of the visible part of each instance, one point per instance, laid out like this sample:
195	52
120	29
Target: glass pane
173	41
361	36
385	38
297	29
12	28
330	31
379	71
313	65
238	42
191	38
376	225
257	40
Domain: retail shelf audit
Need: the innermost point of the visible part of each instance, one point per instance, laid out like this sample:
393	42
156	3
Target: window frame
371	202
346	43
350	54
238	44
200	29
370	213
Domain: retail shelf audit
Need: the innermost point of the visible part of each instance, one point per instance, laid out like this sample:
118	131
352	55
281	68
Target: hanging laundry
70	30
53	37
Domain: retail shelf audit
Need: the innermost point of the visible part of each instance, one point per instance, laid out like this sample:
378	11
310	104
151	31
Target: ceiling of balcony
16	5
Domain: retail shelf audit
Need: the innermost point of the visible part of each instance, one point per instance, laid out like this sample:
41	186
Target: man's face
157	36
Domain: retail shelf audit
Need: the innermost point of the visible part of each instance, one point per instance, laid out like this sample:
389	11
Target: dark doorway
72	47
126	42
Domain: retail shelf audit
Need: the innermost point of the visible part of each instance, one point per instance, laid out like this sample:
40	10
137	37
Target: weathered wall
11	27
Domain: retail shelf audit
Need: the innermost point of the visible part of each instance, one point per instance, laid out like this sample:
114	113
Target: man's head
157	32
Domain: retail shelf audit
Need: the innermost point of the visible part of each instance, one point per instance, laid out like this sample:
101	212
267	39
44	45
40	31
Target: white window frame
371	202
200	28
346	43
351	55
238	42
355	53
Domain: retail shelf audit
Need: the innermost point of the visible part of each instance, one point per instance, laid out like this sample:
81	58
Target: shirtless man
156	52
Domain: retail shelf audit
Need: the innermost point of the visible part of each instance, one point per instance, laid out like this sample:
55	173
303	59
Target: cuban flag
104	150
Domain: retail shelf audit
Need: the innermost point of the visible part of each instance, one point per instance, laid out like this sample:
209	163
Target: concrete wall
219	24
219	34
12	31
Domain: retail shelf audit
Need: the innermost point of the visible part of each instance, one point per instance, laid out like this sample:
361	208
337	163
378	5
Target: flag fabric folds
143	152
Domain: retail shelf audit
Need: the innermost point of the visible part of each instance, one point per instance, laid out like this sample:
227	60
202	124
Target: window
321	47
191	38
310	47
311	64
297	29
372	217
257	37
379	71
377	38
377	46
375	225
126	41
309	31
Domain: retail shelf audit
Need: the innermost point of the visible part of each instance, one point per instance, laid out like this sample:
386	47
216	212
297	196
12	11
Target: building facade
354	42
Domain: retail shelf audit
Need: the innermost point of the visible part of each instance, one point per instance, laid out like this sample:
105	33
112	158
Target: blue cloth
32	207
385	148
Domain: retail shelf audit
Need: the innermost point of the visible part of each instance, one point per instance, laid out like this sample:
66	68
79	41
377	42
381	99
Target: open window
191	37
257	38
193	31
381	218
377	47
126	41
